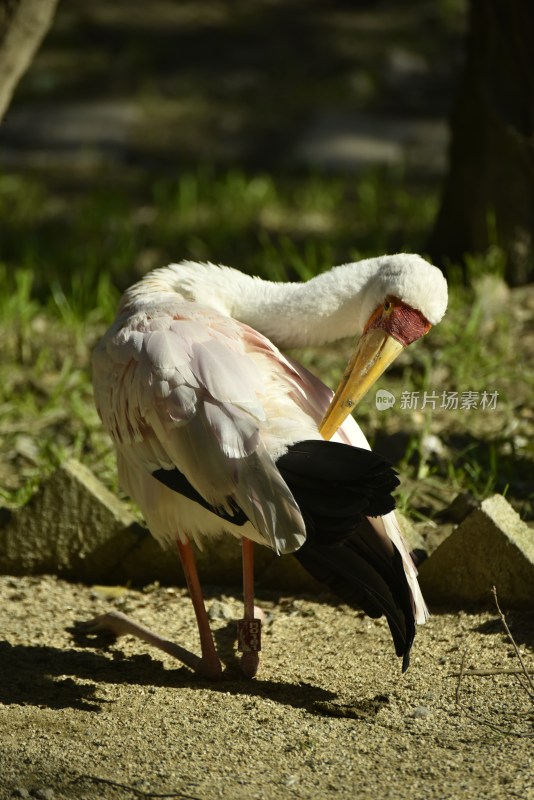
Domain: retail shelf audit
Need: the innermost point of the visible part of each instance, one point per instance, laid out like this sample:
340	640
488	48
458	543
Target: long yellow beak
375	351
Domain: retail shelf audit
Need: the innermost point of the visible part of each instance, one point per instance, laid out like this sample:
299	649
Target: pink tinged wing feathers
237	435
314	397
228	376
266	500
183	393
167	358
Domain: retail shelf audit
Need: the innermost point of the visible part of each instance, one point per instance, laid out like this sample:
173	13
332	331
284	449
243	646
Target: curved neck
333	305
322	310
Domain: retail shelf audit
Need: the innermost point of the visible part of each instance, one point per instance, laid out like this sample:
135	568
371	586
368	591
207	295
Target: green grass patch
79	244
67	255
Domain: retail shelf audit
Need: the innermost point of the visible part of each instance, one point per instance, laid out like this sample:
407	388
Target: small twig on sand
480	720
516	648
459	681
486	673
464	708
522	672
138	792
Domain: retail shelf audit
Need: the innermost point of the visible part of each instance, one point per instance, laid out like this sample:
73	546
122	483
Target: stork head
403	298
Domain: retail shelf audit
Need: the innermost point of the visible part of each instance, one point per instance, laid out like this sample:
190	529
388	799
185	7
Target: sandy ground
329	716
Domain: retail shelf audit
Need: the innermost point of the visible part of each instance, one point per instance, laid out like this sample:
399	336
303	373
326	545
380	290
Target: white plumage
189	377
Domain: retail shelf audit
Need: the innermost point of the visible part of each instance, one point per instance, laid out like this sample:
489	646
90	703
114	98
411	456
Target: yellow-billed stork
217	432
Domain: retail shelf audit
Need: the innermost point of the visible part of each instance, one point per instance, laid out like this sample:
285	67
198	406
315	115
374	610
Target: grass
277	229
66	256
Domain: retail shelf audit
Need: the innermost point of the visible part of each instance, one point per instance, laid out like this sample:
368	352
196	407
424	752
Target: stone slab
73	526
491	547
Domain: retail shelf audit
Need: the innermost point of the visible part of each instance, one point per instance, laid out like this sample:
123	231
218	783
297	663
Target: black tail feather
337	487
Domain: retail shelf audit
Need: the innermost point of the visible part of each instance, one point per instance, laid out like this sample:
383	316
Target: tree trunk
23	24
488	196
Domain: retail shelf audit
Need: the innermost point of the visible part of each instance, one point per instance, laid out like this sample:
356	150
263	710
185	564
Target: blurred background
280	137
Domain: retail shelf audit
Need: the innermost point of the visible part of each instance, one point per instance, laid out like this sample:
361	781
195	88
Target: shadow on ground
49	677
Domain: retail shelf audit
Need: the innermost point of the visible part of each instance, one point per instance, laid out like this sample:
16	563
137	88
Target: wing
183	392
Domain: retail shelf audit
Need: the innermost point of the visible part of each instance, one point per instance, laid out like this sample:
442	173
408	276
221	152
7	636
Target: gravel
329	716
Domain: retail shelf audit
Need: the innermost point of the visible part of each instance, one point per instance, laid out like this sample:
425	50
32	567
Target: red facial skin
399	320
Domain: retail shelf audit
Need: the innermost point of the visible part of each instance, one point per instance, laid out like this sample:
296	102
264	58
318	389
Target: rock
56	531
491	547
284	573
420	712
74	527
220	610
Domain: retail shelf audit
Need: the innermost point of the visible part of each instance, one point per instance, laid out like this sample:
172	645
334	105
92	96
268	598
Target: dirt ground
329	716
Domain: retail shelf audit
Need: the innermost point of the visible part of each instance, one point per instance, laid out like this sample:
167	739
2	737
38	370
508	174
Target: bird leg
210	665
115	624
249	628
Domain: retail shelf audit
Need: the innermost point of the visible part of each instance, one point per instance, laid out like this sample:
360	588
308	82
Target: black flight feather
176	480
337	487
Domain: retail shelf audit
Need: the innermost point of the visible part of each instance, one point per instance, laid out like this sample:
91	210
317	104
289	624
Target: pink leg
249	628
117	624
210	665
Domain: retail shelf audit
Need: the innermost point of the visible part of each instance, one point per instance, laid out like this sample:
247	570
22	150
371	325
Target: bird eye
387	305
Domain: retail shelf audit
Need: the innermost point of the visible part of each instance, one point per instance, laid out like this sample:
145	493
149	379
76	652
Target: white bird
217	432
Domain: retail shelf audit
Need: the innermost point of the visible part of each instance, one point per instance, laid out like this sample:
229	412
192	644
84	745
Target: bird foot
250	664
108	627
210	668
